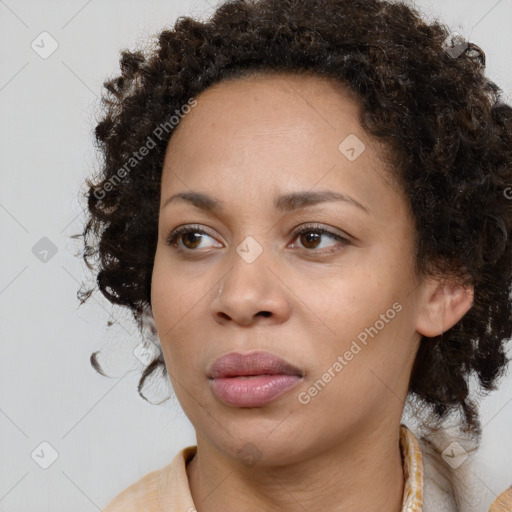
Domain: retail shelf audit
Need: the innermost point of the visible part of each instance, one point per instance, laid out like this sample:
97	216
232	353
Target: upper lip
254	363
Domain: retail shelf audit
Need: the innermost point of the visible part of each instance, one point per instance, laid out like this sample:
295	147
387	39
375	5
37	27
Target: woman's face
343	311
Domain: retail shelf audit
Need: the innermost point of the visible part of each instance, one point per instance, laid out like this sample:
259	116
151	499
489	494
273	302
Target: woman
308	203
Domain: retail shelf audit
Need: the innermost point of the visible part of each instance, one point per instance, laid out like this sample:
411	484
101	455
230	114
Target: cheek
368	308
172	296
173	305
360	296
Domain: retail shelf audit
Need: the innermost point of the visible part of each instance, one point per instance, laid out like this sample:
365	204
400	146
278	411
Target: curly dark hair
446	127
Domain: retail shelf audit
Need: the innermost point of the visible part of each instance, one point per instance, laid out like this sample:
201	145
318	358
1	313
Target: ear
443	304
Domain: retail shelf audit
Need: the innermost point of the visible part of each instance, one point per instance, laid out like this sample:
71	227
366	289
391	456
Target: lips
252	380
254	363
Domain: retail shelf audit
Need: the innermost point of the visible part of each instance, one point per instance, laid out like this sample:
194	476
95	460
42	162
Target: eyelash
182	230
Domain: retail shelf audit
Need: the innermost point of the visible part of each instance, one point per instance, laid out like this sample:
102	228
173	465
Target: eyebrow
284	203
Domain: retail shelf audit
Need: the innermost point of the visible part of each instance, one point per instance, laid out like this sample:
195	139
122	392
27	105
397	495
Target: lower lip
253	391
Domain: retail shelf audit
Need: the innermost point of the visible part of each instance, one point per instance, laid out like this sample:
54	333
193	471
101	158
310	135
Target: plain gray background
104	435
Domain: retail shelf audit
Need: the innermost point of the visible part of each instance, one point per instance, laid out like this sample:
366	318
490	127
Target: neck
362	473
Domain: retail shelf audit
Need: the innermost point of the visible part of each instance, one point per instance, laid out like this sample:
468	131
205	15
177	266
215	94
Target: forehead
262	101
277	114
272	133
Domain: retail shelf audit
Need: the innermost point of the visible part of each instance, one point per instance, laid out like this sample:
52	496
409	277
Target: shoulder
140	496
503	502
450	474
165	486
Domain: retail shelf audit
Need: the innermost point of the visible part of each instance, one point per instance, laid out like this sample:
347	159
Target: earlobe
444	304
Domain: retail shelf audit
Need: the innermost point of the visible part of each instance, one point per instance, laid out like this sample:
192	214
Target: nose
251	292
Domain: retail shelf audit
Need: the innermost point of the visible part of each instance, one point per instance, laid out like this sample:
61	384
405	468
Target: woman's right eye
189	237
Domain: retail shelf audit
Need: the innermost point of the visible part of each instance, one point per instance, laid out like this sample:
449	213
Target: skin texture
245	143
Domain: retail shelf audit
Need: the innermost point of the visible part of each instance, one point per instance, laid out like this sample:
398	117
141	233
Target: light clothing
167	489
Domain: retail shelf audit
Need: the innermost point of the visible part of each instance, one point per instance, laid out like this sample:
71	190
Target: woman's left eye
310	236
305	232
